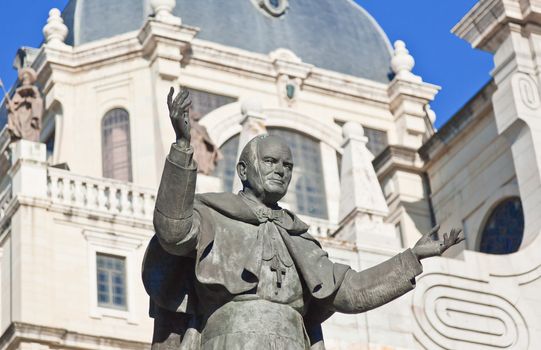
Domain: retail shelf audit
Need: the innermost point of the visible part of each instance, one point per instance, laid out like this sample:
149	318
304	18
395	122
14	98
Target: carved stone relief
454	312
528	90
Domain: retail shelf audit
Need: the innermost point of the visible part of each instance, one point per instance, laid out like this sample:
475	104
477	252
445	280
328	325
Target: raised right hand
179	115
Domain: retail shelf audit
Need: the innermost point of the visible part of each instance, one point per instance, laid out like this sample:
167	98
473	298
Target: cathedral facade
371	172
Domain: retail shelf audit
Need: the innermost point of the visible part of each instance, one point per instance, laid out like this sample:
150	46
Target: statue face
269	178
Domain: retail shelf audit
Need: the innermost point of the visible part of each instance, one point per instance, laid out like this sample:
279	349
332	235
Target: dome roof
337	35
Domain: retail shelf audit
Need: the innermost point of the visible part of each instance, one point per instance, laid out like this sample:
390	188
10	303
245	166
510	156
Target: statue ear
241	171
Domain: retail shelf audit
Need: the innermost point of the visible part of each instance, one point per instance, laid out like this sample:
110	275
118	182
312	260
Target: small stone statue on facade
25	108
205	152
236	271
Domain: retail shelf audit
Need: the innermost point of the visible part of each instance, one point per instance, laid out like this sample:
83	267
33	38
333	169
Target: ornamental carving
274	8
528	90
454	312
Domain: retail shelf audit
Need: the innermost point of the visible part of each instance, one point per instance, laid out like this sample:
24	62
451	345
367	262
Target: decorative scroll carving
455	312
528	90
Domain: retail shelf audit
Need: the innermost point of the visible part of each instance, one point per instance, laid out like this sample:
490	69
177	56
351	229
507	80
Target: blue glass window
111	280
226	169
274	3
504	228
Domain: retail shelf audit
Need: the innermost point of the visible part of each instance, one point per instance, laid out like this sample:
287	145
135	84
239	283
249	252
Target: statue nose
279	168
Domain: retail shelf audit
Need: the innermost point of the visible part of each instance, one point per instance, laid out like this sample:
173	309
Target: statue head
265	167
27	76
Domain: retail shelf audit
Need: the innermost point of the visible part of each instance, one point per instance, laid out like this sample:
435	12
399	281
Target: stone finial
55	31
251	107
402	62
352	130
163	11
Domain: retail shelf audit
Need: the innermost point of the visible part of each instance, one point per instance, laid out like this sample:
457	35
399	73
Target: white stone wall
470	176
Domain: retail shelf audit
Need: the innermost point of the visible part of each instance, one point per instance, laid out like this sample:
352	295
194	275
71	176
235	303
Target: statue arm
378	285
175	221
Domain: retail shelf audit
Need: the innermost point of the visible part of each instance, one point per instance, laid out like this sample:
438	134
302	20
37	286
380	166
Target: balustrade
102	195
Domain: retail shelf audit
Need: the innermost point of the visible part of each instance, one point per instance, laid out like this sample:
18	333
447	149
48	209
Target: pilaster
510	29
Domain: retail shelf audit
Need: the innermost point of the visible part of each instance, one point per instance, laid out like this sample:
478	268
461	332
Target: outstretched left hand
427	247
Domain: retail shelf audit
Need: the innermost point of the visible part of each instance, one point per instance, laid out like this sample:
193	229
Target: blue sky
441	58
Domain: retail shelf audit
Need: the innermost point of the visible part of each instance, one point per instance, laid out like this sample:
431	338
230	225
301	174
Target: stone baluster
53	186
91	195
124	201
103	202
61	191
79	190
114	200
137	200
149	205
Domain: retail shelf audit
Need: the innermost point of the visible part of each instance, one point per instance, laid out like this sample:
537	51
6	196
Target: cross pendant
280	271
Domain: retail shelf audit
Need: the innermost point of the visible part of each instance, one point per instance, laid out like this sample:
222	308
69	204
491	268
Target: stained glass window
274	3
306	193
504	228
377	140
116	154
205	102
111	281
226	167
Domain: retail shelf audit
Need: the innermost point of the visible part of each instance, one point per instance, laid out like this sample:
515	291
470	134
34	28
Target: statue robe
204	256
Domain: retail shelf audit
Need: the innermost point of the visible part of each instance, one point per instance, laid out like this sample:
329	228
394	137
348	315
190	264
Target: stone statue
25	108
205	152
236	271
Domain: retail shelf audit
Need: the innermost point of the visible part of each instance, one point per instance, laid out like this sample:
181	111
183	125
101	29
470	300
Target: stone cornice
179	44
397	157
462	120
19	332
419	90
482	25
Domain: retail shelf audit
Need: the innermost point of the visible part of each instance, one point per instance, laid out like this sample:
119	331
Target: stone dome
337	35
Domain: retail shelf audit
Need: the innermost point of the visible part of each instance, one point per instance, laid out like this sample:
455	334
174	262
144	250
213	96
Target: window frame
129	159
110	282
107	243
488	215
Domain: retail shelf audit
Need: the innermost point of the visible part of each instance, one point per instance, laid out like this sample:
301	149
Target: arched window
226	167
116	145
504	228
306	194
